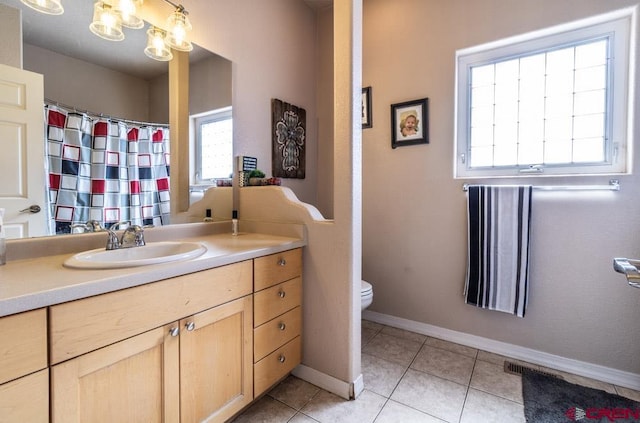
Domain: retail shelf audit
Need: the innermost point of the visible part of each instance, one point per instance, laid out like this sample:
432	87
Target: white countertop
32	283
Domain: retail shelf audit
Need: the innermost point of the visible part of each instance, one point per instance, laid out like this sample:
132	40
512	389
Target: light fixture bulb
127	10
178	26
50	7
156	46
106	22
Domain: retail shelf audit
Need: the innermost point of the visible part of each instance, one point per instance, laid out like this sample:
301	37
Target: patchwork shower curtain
105	170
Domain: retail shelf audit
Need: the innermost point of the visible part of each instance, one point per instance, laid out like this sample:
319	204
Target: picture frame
367	119
410	123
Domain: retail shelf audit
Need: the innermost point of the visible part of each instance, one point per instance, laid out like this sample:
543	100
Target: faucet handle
118	224
113	243
94	226
133	236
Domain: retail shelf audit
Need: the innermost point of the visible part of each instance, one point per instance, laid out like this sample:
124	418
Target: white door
22	174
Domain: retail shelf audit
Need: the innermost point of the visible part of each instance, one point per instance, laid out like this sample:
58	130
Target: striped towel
498	259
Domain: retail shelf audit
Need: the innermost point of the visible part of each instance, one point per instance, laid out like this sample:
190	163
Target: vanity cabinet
24	378
277	317
189	360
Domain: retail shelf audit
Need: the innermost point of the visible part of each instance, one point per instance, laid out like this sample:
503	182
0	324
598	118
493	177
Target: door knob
31	209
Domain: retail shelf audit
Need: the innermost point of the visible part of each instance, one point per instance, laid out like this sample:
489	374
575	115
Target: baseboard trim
329	383
581	368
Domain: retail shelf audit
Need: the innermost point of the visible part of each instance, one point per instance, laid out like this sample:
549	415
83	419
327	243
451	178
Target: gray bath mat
548	399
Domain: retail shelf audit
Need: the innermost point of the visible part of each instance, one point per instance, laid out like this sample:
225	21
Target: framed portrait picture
410	123
366	108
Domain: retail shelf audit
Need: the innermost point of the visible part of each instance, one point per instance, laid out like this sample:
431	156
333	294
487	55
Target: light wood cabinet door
26	399
23	349
78	327
216	362
132	381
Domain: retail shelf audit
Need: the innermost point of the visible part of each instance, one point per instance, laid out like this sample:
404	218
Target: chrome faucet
89	226
133	236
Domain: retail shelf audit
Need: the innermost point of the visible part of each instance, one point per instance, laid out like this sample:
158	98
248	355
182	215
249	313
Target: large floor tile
394	412
398	350
481	407
446	364
500	359
404	334
294	392
368	324
266	410
431	394
451	346
302	418
492	378
381	376
329	408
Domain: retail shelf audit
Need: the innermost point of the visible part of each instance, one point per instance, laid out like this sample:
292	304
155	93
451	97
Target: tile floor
411	378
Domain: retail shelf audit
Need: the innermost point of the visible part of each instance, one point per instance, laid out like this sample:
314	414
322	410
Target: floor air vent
517	369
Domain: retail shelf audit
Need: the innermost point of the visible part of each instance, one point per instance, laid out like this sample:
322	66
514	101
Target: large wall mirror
116	79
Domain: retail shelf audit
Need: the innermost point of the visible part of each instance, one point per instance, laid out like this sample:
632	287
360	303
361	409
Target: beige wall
272	47
414	216
11	39
75	83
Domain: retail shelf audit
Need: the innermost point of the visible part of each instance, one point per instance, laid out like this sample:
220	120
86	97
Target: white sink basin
152	253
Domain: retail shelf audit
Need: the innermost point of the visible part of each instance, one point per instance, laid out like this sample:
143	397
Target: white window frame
196	121
620	26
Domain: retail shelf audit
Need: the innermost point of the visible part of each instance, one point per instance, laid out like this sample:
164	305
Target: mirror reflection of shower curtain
106	170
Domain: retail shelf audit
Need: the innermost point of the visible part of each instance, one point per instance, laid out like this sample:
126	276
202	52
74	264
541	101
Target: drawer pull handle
281	294
282	262
174	331
282	326
190	326
281	358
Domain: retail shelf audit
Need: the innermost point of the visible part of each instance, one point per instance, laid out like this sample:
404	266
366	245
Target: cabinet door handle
190	326
282	262
174	331
282	326
282	358
281	294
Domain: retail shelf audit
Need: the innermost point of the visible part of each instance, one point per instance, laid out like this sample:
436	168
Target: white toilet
366	294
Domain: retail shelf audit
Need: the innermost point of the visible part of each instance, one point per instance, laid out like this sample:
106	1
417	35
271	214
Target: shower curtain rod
614	185
102	115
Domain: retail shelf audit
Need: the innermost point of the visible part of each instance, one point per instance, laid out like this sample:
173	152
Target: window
551	102
214	145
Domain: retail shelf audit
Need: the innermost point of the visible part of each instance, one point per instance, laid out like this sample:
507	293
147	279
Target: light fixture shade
156	47
127	11
178	26
50	7
106	22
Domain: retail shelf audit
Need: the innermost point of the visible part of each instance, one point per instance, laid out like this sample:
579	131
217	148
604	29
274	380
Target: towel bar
614	185
629	268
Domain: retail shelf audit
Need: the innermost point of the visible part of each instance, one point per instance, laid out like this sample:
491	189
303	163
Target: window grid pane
216	144
548	108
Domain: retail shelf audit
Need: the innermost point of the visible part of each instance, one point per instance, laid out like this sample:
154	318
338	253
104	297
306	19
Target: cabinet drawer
26	399
81	326
276	332
23	349
276	365
276	268
274	301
